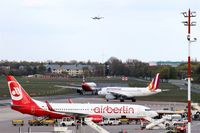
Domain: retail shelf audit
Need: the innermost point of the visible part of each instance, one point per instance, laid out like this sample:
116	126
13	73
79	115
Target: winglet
49	106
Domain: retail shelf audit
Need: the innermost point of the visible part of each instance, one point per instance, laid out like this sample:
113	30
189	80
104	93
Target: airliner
97	18
123	93
23	103
84	87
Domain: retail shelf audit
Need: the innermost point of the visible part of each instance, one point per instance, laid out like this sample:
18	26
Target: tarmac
7	114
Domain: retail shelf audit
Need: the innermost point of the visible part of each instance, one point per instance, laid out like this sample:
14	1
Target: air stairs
154	122
94	126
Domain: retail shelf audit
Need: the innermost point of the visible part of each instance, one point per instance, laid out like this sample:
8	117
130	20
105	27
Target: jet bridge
93	125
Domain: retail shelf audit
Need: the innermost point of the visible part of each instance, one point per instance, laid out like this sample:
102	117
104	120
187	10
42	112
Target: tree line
112	67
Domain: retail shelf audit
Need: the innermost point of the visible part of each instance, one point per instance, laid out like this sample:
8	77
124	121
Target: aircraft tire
121	100
133	100
63	124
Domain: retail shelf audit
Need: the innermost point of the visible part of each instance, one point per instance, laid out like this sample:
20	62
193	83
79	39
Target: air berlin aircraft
84	87
23	103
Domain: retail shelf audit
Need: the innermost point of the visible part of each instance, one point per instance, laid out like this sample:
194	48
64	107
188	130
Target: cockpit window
147	109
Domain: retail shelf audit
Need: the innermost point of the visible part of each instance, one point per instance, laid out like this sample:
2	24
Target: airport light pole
188	23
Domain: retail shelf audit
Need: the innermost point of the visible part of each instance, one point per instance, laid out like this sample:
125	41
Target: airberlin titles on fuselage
115	110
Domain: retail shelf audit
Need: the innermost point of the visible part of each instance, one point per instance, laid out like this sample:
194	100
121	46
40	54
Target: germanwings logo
15	90
154	83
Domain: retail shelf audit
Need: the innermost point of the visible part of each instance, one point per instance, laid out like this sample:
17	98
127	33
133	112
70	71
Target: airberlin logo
115	110
15	90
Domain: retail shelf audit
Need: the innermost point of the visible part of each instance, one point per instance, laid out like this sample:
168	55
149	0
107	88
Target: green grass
36	86
46	87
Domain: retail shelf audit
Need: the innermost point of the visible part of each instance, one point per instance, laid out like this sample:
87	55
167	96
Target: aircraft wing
69	87
74	114
120	93
67	113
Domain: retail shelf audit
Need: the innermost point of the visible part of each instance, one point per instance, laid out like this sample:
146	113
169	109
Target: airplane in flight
97	18
123	93
23	103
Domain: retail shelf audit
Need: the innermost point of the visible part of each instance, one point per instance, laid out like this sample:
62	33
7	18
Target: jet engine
110	97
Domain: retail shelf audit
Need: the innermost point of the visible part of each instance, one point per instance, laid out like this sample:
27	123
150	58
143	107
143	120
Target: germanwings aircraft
23	103
123	93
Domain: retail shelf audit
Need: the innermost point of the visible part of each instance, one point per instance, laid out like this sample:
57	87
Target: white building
72	70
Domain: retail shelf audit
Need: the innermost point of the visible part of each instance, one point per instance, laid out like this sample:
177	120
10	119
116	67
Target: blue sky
62	30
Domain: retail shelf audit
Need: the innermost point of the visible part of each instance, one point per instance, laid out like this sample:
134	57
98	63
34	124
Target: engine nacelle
110	96
96	118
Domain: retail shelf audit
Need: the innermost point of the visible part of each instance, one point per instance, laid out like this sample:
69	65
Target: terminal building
166	63
72	70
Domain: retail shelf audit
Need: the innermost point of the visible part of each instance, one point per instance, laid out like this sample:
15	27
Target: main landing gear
80	92
133	100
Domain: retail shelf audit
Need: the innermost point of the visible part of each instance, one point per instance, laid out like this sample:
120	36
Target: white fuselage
129	91
105	110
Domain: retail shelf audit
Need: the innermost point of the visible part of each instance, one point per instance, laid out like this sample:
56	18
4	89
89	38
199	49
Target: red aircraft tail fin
18	94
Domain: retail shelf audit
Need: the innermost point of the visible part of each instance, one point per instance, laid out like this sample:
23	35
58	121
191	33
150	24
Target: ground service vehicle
67	122
180	127
41	122
172	120
196	116
110	121
48	122
17	122
124	121
114	121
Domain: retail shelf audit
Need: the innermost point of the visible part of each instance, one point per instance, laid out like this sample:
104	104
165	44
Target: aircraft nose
154	114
